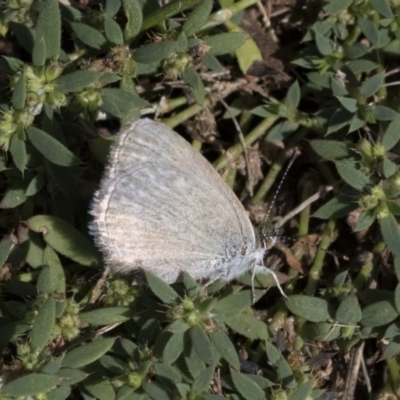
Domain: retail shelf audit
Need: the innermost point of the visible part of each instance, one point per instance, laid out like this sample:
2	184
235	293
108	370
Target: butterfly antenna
291	161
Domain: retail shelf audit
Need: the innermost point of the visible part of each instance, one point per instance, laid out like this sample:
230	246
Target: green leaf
65	239
203	379
48	28
43	326
39	52
87	353
390	233
372	85
348	103
29	385
18	152
273	353
397	297
311	308
154	52
234	304
15	195
224	345
352	176
303	391
107	316
248	326
192	78
378	314
340	118
19	94
282	130
383	113
349	310
24	35
197	18
246	387
134	16
118	102
285	373
383	7
389	168
51	148
370	30
225	43
113	31
331	149
324	45
155	392
52	277
70	376
88	35
77	80
202	344
99	387
293	96
112	7
161	289
174	347
35	185
337	6
392	134
6	245
365	220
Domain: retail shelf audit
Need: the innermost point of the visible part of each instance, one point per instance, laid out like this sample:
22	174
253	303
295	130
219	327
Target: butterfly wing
162	207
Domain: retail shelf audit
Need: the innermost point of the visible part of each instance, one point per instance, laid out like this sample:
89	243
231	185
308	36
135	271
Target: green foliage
65	331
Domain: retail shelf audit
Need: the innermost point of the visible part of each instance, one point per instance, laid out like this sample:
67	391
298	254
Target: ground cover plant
318	78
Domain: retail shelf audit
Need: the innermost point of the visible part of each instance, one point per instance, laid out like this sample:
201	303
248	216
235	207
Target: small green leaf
392	134
197	18
202	344
383	113
161	289
192	78
48	28
65	239
303	391
51	148
119	102
98	387
203	379
378	314
246	387
39	52
155	392
349	310
397	297
383	7
352	176
225	43
70	376
77	80
390	233
372	85
19	93
113	31
389	168
365	220
339	119
6	245
43	326
226	348
52	276
273	353
88	35
18	152
293	96
106	316
24	35
29	385
87	353
337	6
285	373
311	308
15	195
134	16
234	304
154	52
348	103
370	30
331	149
248	326
174	347
324	45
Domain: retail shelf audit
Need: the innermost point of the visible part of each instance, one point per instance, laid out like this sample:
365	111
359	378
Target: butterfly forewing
162	207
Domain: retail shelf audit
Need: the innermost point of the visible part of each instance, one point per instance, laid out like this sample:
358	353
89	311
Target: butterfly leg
264	270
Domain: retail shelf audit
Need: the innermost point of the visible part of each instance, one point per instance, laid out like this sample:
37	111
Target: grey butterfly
161	207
